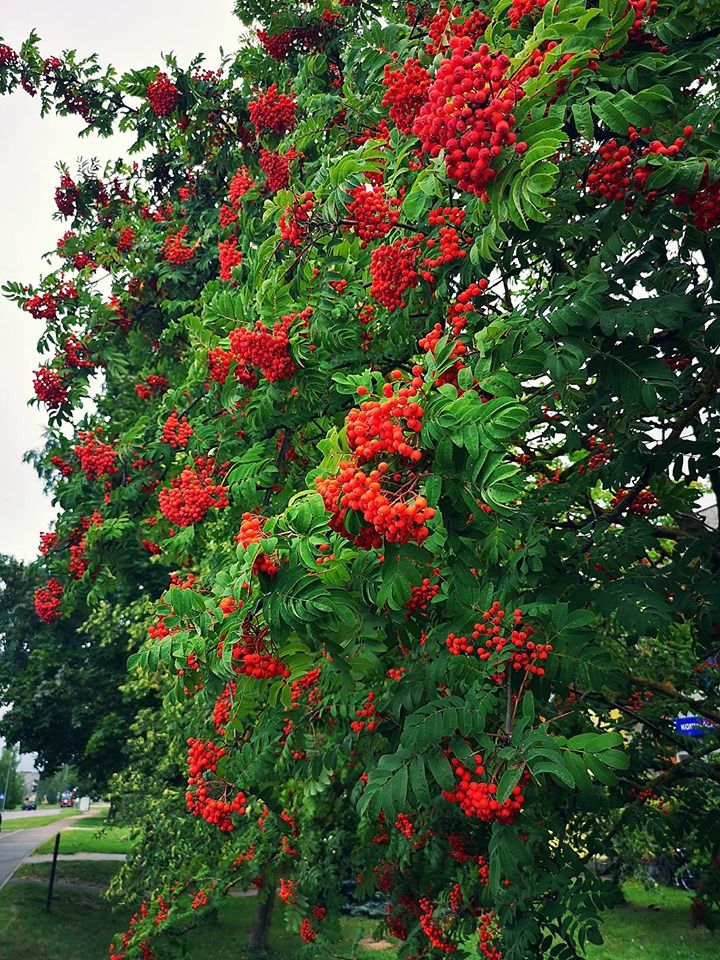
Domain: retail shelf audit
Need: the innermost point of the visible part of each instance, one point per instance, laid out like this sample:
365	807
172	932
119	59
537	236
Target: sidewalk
17	845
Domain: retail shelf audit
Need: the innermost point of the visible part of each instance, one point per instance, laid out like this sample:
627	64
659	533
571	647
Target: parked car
29	805
67	799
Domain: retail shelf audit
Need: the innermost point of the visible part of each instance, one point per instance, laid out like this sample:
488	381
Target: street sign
2	796
692	726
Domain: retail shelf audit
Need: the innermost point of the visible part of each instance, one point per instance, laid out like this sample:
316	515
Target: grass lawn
97	873
81	925
110	840
25	823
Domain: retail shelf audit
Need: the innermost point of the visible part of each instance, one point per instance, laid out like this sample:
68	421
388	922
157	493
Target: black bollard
51	882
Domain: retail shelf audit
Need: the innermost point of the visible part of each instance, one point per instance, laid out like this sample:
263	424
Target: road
16	845
40	812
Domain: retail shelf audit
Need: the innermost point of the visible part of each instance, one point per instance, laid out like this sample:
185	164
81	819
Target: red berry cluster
251	659
287	890
421	597
488	638
50	388
602	453
251	531
405	825
469	114
76	354
393	271
435	932
240	184
154	385
191	495
176	431
370	213
175	250
477	798
42	306
521	8
367	712
407	91
67	196
48	600
203	758
272	111
78	560
8	57
704	205
642	503
295	219
63	466
269	350
307	931
97	458
643	10
229	257
276	167
610	176
223	707
297	39
48	542
488	932
126	240
162	95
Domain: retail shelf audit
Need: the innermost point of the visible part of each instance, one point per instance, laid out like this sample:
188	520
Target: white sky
128	35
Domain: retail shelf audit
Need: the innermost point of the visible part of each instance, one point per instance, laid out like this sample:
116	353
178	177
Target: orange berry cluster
228	256
371	214
97	459
393	271
251	531
469	114
176	431
191	495
407	91
477	798
203	757
272	111
487	639
382	426
175	250
48	600
162	95
250	659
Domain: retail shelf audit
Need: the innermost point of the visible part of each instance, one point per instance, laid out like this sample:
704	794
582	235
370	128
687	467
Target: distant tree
15	783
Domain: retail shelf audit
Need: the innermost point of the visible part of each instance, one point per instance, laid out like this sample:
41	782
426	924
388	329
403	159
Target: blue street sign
2	796
692	726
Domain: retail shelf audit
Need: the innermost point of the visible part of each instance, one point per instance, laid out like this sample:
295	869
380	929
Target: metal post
51	882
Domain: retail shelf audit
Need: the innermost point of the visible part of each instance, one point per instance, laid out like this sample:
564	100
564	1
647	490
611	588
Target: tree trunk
260	928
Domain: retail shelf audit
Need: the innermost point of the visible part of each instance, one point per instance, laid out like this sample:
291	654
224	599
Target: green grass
97	873
110	840
25	823
81	925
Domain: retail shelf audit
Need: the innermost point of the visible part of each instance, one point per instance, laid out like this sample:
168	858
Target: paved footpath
17	845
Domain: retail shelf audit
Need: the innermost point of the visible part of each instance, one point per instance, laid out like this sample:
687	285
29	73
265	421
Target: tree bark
260	928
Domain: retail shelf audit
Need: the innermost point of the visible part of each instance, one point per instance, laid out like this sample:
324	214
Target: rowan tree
405	388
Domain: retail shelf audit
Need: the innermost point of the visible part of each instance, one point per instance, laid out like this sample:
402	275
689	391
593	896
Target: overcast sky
132	34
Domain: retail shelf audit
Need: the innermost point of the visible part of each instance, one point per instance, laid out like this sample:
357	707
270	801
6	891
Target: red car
66	799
